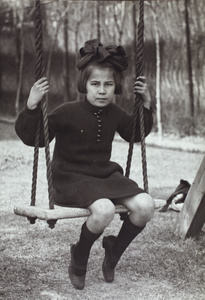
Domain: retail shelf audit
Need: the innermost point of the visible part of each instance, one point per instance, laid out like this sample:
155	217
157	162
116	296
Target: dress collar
93	108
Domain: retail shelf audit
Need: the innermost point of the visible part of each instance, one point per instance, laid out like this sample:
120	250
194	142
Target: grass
157	265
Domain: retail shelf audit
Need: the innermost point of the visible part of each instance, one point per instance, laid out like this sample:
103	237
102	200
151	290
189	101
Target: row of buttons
97	114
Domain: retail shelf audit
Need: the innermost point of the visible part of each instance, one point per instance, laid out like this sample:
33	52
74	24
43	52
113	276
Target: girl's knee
144	206
103	210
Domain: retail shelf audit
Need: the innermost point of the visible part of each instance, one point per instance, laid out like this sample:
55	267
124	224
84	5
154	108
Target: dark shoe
110	262
76	273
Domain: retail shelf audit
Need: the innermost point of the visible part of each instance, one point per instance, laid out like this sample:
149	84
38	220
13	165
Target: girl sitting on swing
83	175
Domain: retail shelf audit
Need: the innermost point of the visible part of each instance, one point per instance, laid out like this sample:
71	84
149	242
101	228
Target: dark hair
85	73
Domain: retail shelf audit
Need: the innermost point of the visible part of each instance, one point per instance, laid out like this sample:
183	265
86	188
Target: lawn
157	265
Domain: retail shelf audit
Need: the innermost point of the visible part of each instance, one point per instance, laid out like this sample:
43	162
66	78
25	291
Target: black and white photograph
102	150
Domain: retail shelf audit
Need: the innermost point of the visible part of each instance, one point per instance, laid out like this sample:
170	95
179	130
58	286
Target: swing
54	213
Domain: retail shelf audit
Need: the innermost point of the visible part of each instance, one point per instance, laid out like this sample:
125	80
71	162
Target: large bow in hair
95	51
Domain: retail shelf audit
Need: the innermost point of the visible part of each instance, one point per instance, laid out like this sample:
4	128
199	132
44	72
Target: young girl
83	175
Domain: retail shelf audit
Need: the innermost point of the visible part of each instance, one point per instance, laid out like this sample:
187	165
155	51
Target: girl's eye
98	84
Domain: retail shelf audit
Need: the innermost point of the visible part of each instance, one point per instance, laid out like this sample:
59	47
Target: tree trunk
51	48
20	55
61	18
0	65
199	47
66	58
158	77
98	20
189	66
120	26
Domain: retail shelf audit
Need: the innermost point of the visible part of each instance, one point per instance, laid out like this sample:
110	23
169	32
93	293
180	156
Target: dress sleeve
27	124
125	125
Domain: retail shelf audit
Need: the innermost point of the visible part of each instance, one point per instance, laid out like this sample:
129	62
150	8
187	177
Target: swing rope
138	106
138	109
39	74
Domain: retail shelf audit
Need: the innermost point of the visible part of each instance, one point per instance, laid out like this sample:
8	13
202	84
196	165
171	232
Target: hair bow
95	51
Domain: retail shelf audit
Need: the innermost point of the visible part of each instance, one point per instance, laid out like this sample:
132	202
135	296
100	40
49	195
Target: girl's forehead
99	73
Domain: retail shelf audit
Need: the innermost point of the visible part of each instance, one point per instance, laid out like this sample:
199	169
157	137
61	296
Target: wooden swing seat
42	212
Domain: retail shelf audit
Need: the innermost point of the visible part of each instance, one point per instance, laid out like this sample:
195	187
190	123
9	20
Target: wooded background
173	54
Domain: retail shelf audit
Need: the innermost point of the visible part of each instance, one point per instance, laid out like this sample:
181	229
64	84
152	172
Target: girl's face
100	87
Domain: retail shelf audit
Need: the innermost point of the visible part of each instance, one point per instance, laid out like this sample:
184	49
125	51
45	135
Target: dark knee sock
127	233
82	249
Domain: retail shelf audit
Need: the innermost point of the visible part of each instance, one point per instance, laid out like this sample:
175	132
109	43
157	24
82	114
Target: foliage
79	20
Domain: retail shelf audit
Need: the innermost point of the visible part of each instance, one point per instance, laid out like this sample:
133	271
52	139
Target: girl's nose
102	89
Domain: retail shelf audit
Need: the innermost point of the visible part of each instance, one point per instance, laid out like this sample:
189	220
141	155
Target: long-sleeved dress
81	168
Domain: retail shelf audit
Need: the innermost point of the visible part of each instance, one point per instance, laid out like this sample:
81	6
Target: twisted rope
39	74
138	106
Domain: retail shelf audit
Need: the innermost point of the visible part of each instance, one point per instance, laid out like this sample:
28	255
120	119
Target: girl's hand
37	93
140	87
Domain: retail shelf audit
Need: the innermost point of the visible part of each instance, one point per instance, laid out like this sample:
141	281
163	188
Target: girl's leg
102	213
141	209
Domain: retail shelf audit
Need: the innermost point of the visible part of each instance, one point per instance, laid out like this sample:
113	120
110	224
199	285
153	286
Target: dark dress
81	167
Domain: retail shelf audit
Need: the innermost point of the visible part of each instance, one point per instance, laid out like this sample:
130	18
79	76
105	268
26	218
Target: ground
157	265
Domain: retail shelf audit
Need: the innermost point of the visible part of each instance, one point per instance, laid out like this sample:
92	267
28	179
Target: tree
189	65
19	17
119	18
58	18
98	20
158	71
66	57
